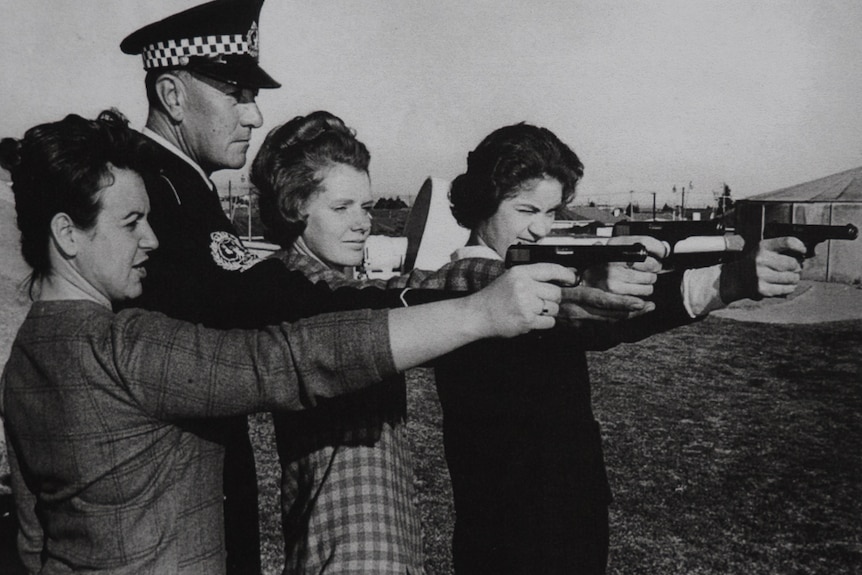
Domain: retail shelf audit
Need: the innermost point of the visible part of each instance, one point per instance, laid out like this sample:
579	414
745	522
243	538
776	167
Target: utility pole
683	203
653	206
674	201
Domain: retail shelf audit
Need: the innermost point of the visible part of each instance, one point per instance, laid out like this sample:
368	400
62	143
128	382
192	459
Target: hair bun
10	153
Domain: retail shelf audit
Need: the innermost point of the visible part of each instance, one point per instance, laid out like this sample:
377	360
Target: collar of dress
475	251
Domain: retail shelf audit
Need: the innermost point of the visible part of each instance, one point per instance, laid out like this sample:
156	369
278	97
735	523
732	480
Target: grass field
732	447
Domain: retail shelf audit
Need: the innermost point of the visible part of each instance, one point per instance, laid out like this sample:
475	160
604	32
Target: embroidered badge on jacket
229	253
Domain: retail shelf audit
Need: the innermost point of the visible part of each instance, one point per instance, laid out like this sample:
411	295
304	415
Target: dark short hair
290	165
503	162
60	167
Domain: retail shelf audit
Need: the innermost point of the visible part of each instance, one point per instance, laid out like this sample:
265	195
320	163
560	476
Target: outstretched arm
519	301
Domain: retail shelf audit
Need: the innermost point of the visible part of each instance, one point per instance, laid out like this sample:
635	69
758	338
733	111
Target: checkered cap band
171	53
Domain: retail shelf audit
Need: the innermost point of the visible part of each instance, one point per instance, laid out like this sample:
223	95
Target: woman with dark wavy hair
507	162
523	447
521	442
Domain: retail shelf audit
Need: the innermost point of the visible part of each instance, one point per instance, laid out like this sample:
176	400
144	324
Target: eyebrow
529	204
135	214
342	201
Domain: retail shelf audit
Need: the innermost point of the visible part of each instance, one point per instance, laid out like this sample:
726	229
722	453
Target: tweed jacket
114	469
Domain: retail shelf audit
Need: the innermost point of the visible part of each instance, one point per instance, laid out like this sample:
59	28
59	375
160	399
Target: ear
64	234
171	92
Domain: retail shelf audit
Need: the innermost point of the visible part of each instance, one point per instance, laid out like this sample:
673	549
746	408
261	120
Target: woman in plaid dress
347	475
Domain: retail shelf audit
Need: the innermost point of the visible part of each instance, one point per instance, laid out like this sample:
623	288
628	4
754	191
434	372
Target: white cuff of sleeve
701	292
401	297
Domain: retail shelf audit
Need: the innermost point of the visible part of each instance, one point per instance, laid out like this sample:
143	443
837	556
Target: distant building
395	203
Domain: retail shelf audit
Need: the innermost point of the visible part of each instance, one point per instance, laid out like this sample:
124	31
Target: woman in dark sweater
522	444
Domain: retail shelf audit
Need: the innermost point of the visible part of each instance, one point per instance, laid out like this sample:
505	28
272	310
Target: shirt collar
476	248
300	246
177	152
475	251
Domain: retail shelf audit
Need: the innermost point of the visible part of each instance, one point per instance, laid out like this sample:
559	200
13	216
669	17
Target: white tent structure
832	200
431	229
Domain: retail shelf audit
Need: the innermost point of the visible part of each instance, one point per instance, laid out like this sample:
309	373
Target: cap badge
253	39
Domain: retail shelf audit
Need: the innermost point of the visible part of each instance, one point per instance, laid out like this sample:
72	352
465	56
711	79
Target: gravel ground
812	302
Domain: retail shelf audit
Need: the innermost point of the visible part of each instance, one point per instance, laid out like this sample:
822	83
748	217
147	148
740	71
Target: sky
651	95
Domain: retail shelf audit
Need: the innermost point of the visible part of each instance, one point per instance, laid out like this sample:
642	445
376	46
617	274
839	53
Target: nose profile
540	228
148	240
362	222
252	116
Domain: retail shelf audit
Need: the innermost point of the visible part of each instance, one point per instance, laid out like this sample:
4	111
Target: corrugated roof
841	187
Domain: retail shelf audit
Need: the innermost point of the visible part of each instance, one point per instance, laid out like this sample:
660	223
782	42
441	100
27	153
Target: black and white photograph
297	287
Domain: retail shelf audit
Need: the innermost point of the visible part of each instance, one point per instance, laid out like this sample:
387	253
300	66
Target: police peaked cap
218	39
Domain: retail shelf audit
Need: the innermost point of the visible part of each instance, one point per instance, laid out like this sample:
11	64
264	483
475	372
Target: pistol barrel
801	231
574	256
810	234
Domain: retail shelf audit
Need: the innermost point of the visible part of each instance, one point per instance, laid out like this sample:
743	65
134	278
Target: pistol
574	256
687	243
810	234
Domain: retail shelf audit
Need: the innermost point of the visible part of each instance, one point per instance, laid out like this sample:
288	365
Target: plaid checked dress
347	475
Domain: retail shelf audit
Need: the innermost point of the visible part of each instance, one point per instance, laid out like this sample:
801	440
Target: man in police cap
202	79
201	82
